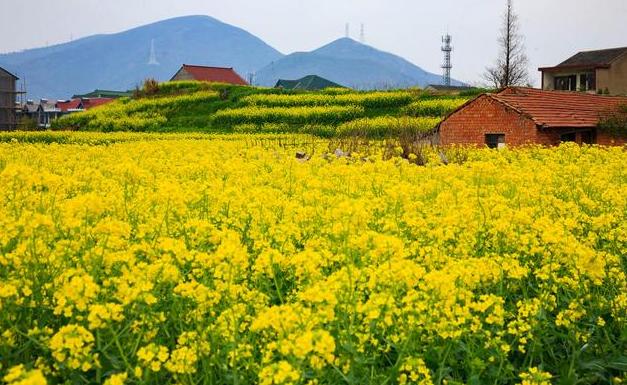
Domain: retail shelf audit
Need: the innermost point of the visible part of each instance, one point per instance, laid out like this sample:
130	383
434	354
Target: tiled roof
103	94
214	74
90	103
590	59
552	109
48	106
310	82
69	105
595	58
31	107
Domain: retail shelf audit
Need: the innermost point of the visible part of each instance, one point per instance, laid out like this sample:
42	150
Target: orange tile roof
214	74
69	105
559	108
89	103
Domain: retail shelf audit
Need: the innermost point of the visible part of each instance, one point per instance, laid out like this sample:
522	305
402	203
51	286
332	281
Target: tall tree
510	68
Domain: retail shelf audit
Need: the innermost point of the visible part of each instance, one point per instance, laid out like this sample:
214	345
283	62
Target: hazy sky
553	29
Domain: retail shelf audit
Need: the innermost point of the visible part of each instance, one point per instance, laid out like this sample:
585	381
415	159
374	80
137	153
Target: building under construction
8	95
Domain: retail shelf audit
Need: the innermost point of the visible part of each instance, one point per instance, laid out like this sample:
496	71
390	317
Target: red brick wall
486	116
607	140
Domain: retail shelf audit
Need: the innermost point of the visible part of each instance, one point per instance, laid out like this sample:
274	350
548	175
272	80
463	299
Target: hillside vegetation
221	108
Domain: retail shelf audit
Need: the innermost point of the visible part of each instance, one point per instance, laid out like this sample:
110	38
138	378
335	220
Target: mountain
123	60
120	61
351	64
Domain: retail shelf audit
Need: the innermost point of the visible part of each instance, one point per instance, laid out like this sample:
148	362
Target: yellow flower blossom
19	375
72	347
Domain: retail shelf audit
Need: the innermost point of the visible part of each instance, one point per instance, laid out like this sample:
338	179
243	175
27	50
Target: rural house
8	92
518	116
594	71
309	83
209	74
47	112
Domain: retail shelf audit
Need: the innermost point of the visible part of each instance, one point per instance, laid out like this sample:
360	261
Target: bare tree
510	68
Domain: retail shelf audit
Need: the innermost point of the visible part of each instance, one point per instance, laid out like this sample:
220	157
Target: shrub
615	123
151	87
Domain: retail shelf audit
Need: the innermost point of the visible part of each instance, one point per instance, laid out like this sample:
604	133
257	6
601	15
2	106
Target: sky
553	29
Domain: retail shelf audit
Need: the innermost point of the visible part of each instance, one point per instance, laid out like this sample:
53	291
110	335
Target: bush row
288	115
388	126
133	115
368	99
433	107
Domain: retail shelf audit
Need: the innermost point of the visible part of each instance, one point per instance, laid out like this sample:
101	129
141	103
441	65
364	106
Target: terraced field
185	106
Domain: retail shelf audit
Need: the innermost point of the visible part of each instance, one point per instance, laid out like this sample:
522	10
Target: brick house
594	71
209	74
519	116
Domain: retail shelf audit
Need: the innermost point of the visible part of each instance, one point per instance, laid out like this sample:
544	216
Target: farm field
223	259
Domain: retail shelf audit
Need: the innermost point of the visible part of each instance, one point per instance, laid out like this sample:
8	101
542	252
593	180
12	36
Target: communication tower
447	48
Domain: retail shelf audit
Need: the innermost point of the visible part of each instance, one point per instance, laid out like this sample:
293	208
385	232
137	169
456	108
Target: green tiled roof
310	83
103	94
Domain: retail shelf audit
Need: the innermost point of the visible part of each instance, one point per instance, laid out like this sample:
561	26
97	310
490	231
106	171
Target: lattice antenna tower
362	34
152	61
447	48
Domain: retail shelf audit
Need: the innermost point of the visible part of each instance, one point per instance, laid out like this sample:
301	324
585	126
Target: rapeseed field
227	260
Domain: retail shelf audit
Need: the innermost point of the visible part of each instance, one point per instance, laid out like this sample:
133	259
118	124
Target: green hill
221	108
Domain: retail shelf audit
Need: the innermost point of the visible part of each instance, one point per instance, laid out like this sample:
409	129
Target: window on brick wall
495	140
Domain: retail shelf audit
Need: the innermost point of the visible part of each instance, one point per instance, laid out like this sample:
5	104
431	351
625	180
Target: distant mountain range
351	64
121	61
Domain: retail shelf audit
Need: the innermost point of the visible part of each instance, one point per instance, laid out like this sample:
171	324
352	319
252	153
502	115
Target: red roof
559	108
73	104
214	74
89	103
